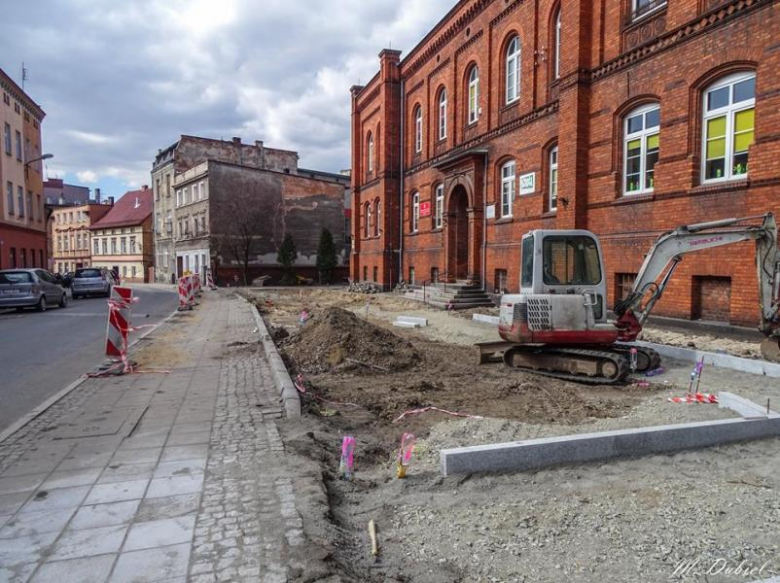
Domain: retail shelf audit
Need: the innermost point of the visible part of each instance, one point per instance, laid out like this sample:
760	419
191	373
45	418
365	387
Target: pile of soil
337	340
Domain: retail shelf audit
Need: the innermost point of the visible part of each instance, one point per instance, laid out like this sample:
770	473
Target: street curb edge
284	383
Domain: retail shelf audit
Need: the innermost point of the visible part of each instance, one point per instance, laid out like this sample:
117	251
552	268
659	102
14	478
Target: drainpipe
401	206
484	223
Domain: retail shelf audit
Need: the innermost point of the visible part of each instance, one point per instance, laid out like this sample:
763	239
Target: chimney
145	187
259	144
236	142
111	201
97	195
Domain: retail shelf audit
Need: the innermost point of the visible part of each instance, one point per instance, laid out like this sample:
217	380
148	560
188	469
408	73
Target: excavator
558	326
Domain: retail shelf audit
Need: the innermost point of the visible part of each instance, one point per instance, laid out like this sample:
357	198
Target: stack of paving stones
156	477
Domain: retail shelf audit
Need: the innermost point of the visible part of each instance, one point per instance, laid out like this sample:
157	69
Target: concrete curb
535	454
748	365
483	319
284	383
20	423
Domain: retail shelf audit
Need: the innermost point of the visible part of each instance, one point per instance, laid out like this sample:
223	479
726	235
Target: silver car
30	288
92	281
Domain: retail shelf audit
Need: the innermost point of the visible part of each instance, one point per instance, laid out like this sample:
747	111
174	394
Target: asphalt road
42	353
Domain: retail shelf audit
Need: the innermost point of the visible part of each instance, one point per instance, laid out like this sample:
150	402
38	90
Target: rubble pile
339	340
364	287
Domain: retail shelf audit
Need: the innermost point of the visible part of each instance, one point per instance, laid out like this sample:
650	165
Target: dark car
30	288
92	281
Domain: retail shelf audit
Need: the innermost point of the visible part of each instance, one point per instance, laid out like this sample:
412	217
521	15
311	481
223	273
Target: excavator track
647	358
581	365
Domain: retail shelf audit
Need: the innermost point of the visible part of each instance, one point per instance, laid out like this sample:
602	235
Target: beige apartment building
22	220
70	235
123	240
192	220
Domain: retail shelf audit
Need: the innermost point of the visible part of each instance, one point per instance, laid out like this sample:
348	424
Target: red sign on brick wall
425	209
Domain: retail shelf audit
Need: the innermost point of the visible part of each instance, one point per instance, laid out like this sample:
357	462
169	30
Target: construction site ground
640	520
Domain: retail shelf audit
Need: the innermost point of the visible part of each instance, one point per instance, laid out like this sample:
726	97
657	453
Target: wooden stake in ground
374	542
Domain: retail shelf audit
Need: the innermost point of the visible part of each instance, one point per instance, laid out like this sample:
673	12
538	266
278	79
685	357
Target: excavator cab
562	297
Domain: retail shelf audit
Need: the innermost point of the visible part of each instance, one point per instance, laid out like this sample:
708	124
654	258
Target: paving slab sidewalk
157	477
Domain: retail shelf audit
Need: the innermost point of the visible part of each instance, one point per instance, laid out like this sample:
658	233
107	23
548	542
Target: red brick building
623	117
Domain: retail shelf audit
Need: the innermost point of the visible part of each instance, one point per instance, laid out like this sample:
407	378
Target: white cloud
87	177
129	77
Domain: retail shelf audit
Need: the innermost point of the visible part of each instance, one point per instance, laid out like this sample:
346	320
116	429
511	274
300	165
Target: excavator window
527	279
571	260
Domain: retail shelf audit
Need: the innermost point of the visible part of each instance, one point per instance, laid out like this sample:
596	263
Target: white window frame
512	75
643	136
635	7
730	111
202	191
473	95
370	152
552	200
439	211
377	215
558	43
366	219
415	212
369	218
443	114
508	185
418	129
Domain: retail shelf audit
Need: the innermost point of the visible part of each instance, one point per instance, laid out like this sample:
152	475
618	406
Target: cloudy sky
121	79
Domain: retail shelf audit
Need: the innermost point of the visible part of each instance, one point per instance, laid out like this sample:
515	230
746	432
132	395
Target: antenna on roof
24	75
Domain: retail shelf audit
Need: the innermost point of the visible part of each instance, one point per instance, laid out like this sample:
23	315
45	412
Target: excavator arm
668	252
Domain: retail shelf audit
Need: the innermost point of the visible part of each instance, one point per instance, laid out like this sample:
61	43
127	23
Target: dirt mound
339	340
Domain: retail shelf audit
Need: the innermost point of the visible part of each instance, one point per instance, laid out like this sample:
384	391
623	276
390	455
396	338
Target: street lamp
38	159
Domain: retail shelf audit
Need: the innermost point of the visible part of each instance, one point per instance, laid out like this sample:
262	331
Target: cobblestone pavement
157	477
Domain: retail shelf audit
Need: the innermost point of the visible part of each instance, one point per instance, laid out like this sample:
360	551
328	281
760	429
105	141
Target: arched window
367	226
370	149
415	212
418	129
378	217
473	94
729	127
552	201
641	148
513	70
557	46
507	188
438	218
443	114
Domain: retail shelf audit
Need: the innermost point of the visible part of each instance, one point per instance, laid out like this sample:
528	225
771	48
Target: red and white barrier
210	280
184	301
196	284
119	314
190	291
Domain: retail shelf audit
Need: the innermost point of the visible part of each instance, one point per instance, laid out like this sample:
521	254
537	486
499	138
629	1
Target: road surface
42	353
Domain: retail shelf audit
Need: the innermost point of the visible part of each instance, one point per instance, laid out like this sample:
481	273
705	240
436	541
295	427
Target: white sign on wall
490	211
528	183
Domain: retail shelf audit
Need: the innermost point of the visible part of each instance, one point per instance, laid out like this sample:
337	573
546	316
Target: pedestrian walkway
157	477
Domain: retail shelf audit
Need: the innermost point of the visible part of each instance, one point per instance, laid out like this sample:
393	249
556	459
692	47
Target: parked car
30	288
92	281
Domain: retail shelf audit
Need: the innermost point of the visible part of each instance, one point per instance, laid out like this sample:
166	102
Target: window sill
510	105
550	214
504	221
721	185
437	230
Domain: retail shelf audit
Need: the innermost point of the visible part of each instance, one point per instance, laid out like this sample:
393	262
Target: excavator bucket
770	349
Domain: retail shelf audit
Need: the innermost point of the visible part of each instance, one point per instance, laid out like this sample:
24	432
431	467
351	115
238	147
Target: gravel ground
694	516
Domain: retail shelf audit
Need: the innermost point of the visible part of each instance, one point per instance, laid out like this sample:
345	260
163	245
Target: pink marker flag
347	457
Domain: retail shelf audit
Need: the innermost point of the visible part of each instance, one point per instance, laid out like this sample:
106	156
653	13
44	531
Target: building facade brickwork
623	117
